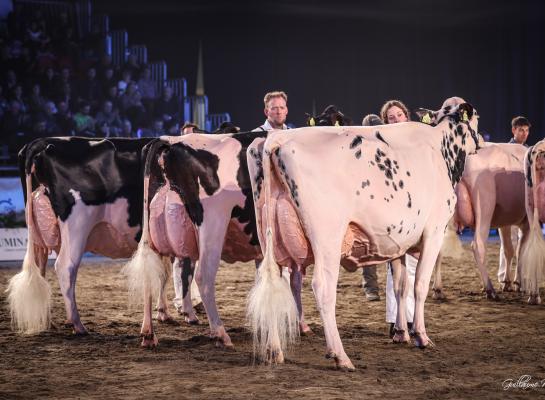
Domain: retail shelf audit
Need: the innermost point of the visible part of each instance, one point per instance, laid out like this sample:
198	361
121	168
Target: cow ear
50	149
465	111
425	116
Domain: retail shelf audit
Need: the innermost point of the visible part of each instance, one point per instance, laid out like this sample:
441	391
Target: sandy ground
479	345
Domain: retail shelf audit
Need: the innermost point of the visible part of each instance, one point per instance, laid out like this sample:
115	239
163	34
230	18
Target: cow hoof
342	364
305	330
149	341
517	287
506	286
422	341
534	299
401	336
492	295
77	330
191	320
438	295
199	308
274	357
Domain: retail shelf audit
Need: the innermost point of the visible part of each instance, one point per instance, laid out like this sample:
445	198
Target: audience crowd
54	84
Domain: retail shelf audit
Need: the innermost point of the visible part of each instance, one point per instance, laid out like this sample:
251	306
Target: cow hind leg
424	271
296	283
438	293
324	285
479	252
399	278
66	268
163	314
209	259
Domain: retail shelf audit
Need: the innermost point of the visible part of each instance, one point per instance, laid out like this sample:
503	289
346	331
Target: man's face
276	112
520	133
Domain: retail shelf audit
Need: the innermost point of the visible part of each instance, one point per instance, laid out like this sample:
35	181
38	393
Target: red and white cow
533	251
358	195
491	195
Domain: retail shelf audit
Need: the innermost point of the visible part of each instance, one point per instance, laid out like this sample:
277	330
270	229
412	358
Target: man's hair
190	125
371	120
391	103
520	121
272	95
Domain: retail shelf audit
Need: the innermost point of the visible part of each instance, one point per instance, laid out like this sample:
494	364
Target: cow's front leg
324	285
479	252
424	269
296	283
506	256
399	277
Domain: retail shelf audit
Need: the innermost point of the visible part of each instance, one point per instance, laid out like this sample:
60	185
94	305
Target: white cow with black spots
358	195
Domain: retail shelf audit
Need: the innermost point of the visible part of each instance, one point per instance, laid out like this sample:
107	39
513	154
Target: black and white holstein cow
533	251
201	209
81	195
358	195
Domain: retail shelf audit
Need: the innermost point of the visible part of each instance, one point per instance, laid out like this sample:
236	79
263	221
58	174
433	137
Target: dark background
356	55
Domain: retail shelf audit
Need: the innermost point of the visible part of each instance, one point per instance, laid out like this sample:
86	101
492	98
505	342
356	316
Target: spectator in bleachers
39	128
49	116
126	129
90	90
36	102
64	120
4	104
10	81
44	59
66	96
14	125
126	78
131	106
107	116
148	89
67	50
113	95
84	123
188	128
17	94
64	77
132	65
105	63
156	130
107	79
48	83
172	128
168	106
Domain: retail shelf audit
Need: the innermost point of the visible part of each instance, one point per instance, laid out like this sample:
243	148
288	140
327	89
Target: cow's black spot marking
401	184
395	186
388	230
387	183
356	142
391	196
379	137
408	173
372	197
358	154
418	212
364	184
409	203
357	192
400	230
388	174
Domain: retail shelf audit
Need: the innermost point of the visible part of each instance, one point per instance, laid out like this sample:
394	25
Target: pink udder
45	228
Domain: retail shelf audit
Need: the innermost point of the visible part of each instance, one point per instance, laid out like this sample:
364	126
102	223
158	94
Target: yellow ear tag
465	118
426	119
337	123
311	122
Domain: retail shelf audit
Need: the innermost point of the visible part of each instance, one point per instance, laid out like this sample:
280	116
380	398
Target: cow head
331	116
458	121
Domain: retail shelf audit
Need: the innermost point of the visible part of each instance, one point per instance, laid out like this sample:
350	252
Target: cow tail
532	252
271	312
145	271
29	293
